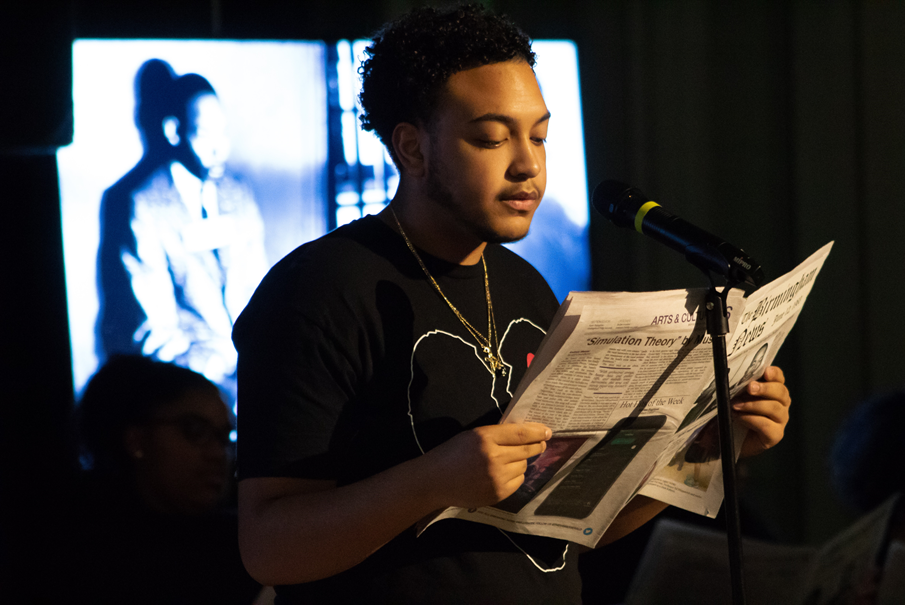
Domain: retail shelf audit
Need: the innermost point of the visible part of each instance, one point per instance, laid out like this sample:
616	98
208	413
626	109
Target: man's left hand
763	407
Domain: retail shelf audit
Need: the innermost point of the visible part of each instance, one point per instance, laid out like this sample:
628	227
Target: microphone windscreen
618	202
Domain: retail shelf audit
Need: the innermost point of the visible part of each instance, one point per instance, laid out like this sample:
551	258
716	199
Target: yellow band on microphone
642	212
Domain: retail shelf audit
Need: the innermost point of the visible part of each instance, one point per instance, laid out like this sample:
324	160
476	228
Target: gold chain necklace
494	361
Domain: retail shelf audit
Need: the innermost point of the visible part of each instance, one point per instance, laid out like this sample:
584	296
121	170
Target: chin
507	236
505	239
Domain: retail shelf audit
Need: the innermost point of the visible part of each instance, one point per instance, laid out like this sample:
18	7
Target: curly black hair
411	59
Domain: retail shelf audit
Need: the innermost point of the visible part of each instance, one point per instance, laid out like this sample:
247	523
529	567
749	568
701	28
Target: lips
520	200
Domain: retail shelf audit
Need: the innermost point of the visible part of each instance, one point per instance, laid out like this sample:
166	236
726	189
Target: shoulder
234	190
349	253
231	178
156	201
327	276
158	184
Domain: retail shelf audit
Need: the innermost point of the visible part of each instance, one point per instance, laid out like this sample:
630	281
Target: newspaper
625	381
686	564
860	565
849	569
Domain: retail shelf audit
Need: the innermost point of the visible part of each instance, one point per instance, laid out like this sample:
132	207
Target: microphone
627	207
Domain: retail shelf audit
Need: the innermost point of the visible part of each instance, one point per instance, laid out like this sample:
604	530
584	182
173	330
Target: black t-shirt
351	363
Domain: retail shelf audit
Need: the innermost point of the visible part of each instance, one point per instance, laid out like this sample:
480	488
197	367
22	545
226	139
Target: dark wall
35	85
776	125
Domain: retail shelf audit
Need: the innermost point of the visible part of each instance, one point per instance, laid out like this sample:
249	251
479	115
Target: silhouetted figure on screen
119	313
147	525
182	240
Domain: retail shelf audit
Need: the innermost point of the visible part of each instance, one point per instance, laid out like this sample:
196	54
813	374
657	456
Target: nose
527	160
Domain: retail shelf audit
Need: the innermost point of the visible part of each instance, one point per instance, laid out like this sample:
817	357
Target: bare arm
635	514
293	531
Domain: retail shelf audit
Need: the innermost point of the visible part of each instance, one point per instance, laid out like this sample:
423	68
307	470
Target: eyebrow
507	120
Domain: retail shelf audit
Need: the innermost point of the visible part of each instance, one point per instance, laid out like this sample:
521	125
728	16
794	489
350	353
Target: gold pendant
496	366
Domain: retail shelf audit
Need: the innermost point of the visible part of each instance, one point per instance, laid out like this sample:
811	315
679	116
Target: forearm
305	537
635	514
293	531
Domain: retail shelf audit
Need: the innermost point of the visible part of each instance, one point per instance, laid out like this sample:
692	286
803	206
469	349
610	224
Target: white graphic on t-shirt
509	385
479	355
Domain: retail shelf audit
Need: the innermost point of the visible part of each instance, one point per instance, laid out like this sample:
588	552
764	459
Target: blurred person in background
866	454
149	523
867	474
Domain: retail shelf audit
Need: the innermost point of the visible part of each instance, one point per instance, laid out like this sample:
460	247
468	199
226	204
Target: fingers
514	434
764	409
764	433
769	389
774	374
514	442
768	399
773	409
493	460
509	487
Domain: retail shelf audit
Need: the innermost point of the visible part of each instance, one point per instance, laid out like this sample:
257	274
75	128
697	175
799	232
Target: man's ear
171	130
407	142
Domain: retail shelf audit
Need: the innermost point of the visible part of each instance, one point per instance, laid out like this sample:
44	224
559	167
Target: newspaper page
892	582
693	476
846	569
619	379
687	564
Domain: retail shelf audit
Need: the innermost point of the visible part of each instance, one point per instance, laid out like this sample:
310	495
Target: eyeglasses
198	430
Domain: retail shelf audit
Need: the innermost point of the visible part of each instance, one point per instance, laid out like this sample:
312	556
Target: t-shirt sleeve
294	377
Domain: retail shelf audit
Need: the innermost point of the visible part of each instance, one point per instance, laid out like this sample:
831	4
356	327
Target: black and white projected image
182	239
195	166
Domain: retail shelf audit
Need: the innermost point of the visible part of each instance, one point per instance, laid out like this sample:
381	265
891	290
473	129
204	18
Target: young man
375	363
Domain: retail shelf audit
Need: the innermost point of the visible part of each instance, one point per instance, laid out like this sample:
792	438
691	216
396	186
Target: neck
431	228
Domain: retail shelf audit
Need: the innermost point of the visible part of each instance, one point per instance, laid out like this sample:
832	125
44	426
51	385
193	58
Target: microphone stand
717	328
626	207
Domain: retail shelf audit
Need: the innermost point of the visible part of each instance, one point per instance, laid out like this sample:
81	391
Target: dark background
777	125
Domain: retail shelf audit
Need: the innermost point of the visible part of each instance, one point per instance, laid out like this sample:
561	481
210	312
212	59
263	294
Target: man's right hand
293	530
485	465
